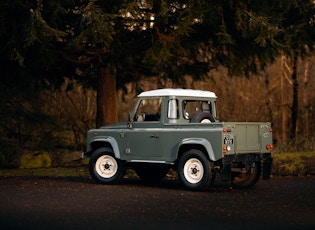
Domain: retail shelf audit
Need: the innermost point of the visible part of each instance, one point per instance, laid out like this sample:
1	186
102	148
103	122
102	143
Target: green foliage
47	42
299	28
40	32
38	160
96	28
293	164
261	28
244	36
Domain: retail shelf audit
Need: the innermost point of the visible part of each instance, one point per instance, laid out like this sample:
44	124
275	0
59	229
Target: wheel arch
106	142
196	143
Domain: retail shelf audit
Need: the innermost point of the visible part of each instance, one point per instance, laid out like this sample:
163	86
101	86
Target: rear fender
202	142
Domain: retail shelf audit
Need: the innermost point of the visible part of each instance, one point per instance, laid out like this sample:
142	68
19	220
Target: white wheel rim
193	170
206	121
106	166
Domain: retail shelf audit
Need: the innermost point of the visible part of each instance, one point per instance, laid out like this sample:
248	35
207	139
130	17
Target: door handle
154	136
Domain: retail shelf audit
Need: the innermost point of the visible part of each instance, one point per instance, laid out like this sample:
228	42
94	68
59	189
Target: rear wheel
194	170
105	168
247	179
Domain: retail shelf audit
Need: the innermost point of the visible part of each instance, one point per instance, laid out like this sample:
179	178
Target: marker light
269	147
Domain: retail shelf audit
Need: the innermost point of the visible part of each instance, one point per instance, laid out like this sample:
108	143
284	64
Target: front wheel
105	168
194	170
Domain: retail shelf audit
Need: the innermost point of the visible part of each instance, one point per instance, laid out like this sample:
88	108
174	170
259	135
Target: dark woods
67	66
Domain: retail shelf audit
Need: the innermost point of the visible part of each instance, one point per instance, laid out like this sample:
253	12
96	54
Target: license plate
228	139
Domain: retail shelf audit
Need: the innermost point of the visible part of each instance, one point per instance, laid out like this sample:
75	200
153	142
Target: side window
172	111
148	110
214	111
193	107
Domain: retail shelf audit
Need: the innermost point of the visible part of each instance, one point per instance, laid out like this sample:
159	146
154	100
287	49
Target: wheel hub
107	166
194	170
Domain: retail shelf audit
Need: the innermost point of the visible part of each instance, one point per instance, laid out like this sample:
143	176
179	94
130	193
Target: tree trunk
268	104
294	108
306	103
285	110
106	97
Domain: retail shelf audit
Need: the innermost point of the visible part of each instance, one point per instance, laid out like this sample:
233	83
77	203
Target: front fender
200	141
102	142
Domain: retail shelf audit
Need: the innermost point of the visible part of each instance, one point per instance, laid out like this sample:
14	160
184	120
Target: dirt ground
79	203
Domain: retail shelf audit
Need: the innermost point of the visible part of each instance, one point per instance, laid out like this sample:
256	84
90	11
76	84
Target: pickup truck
178	129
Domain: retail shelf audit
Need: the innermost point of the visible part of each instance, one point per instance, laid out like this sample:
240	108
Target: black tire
195	170
246	180
105	168
151	173
202	117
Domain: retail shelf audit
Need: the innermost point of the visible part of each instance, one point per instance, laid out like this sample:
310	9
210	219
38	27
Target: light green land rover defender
178	129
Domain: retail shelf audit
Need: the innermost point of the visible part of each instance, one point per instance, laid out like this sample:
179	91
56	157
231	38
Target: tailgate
248	137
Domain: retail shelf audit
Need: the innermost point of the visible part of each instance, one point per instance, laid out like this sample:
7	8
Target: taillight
269	147
270	130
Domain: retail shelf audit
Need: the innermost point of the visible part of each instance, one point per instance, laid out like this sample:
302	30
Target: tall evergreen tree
168	38
116	41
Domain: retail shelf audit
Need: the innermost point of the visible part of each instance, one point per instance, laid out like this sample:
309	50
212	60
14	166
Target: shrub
35	160
293	164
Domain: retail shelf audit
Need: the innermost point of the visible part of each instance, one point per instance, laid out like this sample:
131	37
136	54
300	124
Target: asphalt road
79	203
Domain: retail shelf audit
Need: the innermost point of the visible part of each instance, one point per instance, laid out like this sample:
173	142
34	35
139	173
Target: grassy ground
284	164
81	171
293	164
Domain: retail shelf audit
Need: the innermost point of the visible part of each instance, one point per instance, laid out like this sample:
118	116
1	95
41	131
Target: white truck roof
178	92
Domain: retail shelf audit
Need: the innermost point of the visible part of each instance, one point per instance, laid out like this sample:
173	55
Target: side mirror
130	120
130	117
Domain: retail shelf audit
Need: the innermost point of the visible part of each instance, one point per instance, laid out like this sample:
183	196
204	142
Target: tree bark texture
285	108
306	105
294	108
106	97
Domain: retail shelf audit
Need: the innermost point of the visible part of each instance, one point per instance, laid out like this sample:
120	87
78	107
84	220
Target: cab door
144	141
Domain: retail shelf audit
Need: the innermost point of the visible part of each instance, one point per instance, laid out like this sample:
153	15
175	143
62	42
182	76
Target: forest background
68	66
